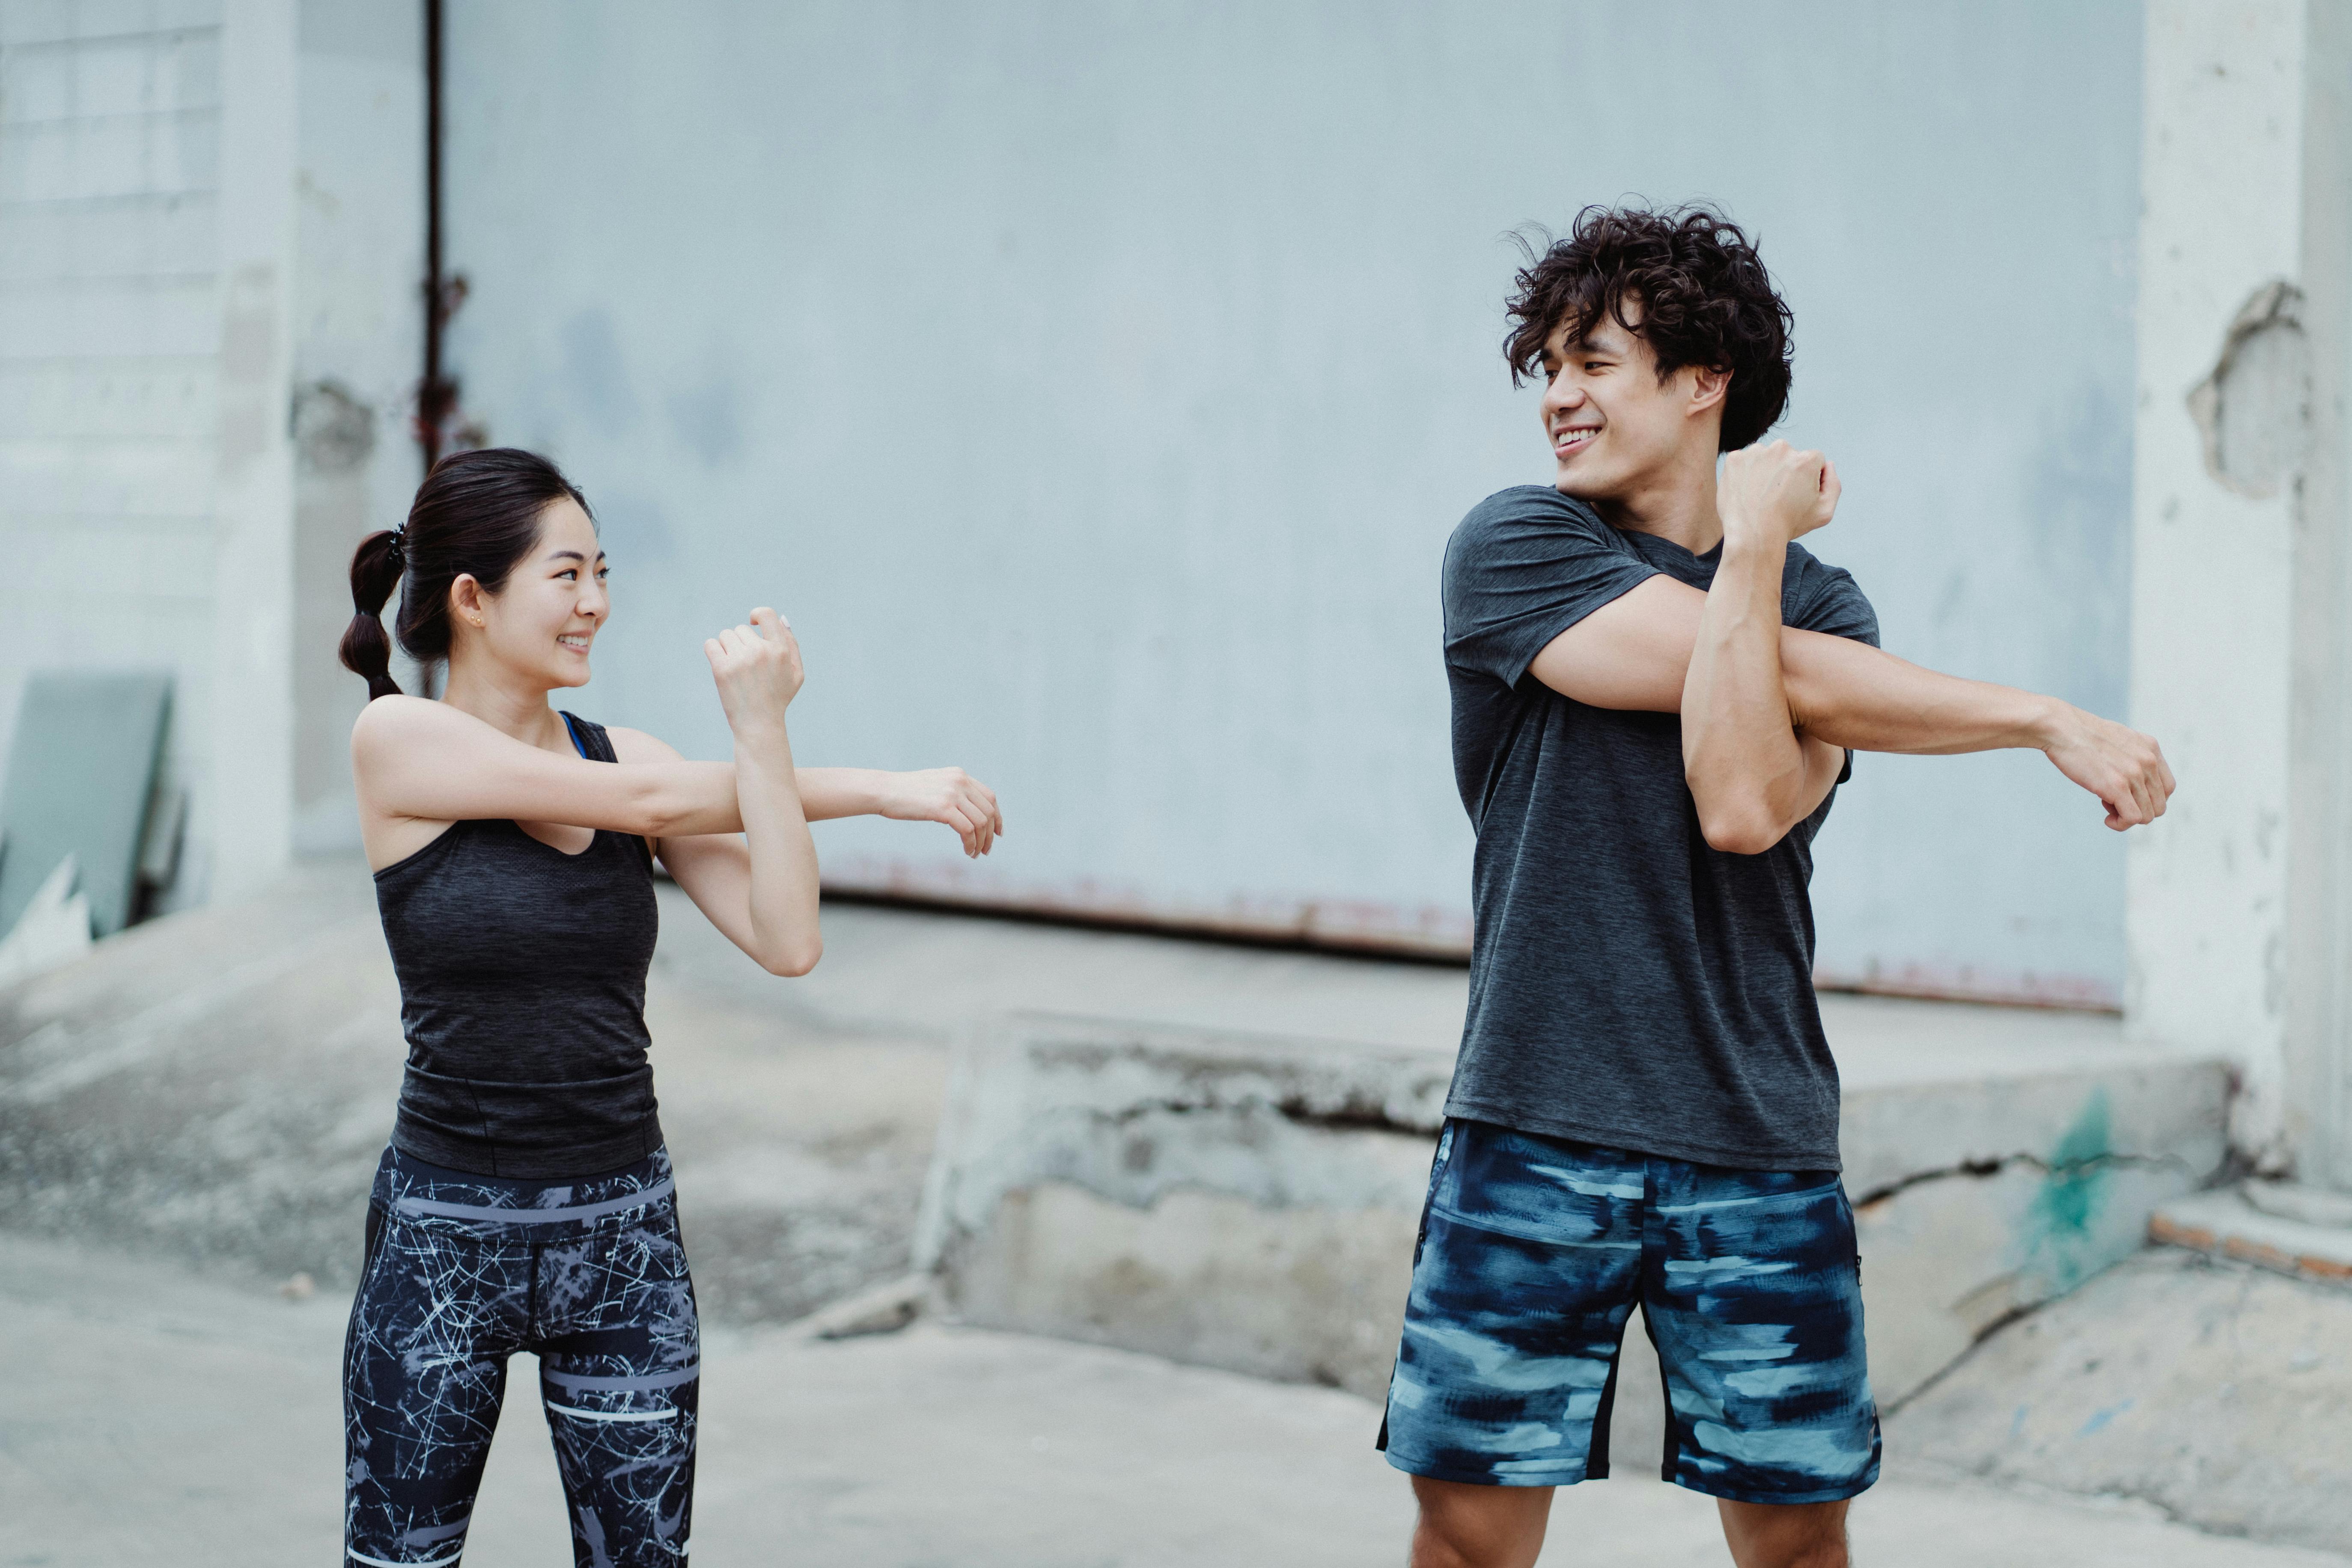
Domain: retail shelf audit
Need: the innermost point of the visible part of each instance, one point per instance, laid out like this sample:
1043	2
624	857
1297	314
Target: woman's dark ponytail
476	515
375	571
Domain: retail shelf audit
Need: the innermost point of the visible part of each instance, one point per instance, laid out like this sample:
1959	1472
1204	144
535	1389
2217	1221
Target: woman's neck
513	706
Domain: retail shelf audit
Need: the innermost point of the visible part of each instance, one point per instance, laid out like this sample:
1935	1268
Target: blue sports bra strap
571	728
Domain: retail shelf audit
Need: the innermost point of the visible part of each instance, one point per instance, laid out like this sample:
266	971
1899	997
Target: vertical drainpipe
437	395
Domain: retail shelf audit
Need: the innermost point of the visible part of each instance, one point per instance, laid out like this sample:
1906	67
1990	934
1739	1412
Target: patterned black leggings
462	1271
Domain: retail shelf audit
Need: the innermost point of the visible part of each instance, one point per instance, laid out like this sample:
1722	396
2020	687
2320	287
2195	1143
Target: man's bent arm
1635	652
1752	776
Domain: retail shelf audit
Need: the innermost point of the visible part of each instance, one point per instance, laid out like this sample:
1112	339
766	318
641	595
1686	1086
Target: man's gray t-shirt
1630	987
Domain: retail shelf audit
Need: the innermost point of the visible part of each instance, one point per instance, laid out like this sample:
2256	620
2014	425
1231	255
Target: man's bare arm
1752	773
1635	651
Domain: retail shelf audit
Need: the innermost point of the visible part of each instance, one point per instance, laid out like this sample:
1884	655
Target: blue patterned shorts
1533	1252
463	1271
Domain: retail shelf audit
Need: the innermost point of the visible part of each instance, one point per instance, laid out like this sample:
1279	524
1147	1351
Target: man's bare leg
1783	1535
1464	1526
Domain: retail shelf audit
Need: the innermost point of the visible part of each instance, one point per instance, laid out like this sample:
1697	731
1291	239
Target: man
1657	692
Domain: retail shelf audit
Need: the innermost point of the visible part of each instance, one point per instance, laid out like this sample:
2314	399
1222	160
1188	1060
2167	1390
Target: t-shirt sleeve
1522	568
1835	604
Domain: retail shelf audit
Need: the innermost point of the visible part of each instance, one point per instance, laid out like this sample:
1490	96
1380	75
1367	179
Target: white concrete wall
2319	964
359	323
111	126
1095	385
203	203
2221	171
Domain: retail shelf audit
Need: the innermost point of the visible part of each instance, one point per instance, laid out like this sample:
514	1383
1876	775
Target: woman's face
541	623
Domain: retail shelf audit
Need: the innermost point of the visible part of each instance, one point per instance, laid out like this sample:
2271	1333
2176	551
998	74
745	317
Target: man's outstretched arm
1635	653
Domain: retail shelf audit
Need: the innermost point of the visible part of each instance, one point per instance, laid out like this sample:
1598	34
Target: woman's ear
466	602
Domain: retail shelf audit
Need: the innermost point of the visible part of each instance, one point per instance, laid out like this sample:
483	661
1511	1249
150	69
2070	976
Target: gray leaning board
82	770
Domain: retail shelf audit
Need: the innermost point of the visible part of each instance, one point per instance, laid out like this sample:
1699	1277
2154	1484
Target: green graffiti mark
2059	1245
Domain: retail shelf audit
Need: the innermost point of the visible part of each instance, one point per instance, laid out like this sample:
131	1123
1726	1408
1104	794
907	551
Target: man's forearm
1856	695
1741	756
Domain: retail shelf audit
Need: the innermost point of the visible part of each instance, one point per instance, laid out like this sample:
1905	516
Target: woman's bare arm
948	795
426	761
757	667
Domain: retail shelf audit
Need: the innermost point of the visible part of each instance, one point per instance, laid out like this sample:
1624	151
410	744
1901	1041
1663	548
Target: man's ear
1708	389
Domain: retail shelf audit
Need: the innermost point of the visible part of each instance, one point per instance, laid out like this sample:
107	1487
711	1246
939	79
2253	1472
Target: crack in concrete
1983	1170
1349	1114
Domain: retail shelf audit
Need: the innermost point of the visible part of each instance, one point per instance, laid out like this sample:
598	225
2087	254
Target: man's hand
1770	495
950	796
2123	767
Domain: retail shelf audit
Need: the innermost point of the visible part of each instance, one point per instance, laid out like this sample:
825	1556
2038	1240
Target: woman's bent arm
420	759
758	671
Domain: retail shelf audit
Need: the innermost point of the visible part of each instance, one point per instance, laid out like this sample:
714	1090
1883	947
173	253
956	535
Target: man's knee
1785	1535
1479	1527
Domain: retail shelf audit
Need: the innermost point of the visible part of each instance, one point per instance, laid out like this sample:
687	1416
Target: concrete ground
208	1095
152	1415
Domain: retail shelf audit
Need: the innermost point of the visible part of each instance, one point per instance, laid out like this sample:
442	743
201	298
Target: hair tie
398	545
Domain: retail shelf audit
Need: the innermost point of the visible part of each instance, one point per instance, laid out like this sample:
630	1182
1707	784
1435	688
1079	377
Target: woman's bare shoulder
408	724
393	718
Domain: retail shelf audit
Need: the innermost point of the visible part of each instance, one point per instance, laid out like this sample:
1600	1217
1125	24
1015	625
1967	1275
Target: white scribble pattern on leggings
591	1278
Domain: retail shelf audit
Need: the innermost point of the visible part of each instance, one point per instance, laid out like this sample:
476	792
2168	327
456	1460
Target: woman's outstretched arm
946	795
715	868
419	758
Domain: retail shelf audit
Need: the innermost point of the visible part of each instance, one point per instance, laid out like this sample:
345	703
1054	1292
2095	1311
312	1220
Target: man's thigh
1753	1292
1527	1268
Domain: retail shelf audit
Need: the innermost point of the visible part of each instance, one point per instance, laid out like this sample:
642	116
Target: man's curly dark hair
1703	294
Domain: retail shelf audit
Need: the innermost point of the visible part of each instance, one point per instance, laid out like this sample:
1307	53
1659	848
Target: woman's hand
946	795
758	671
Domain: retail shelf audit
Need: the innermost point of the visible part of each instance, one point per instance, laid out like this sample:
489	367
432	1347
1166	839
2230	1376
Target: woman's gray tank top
522	993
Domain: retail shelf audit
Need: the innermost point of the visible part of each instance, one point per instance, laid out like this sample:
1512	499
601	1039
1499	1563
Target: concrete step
2213	1390
1250	1201
2291	1231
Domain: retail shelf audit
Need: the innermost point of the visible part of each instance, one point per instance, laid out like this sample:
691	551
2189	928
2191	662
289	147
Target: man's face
1614	426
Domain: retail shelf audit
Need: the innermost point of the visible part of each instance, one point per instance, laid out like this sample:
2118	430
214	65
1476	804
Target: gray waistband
638	1200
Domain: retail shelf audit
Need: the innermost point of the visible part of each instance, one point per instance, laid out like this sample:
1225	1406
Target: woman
526	1202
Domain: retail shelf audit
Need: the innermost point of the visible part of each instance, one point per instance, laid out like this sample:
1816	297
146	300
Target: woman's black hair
477	514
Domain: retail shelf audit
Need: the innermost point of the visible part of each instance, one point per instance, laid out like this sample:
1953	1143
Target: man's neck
1675	503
